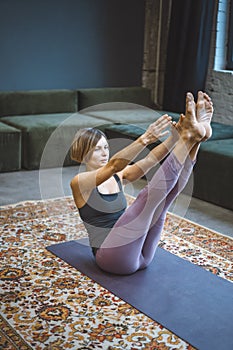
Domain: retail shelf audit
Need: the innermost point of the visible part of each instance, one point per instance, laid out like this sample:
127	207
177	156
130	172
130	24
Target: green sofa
45	122
37	129
35	114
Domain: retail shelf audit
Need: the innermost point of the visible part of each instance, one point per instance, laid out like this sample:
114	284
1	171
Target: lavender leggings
132	242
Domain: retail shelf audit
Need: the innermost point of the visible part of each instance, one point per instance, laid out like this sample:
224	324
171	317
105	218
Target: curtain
188	50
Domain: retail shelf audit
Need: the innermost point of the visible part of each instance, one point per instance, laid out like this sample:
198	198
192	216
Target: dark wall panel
51	44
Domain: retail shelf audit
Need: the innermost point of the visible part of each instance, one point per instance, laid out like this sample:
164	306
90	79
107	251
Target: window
224	36
230	38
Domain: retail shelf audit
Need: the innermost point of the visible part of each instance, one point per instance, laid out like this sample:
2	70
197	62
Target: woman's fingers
158	128
163	118
162	123
164	133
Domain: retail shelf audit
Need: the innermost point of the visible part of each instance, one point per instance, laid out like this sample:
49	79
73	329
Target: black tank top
101	212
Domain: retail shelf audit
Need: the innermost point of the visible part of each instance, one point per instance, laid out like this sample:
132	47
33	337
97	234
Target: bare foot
204	110
188	126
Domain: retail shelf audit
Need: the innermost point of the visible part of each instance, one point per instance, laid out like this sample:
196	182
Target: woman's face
100	155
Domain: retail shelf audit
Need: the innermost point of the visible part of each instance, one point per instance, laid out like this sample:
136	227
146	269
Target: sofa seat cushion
93	97
46	139
221	131
213	173
10	148
220	148
132	131
123	113
15	103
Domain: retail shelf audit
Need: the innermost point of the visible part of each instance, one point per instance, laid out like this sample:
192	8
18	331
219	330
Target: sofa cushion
92	97
221	131
46	139
10	148
15	103
220	148
122	113
132	131
213	173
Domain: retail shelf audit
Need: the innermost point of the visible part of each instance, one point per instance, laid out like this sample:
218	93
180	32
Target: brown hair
84	143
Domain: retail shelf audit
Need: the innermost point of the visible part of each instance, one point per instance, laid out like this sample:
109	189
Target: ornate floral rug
46	304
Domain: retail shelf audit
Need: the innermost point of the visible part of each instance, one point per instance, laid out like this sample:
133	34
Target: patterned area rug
46	304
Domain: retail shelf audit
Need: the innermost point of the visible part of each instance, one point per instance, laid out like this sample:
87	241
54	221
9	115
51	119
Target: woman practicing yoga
124	239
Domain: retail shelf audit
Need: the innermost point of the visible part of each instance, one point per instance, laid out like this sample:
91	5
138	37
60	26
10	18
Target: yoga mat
191	302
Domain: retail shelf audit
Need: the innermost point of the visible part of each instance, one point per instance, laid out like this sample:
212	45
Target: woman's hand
156	130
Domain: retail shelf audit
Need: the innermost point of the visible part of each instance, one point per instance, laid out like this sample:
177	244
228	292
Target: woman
123	239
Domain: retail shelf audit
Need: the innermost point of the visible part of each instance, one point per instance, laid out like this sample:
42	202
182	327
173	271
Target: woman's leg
204	113
121	252
154	233
138	253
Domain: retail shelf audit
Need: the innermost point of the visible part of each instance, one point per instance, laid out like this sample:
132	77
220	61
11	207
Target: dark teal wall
70	44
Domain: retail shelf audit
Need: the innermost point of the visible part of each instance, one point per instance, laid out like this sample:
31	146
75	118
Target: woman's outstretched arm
140	168
155	131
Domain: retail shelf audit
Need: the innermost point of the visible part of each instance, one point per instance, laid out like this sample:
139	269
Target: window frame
229	63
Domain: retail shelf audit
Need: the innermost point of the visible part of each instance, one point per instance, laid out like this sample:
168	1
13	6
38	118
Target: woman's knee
115	264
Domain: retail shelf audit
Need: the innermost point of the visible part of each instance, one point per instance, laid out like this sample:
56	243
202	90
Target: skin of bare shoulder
83	183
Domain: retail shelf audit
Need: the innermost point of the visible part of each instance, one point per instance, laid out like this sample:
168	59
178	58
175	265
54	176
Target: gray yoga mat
191	302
